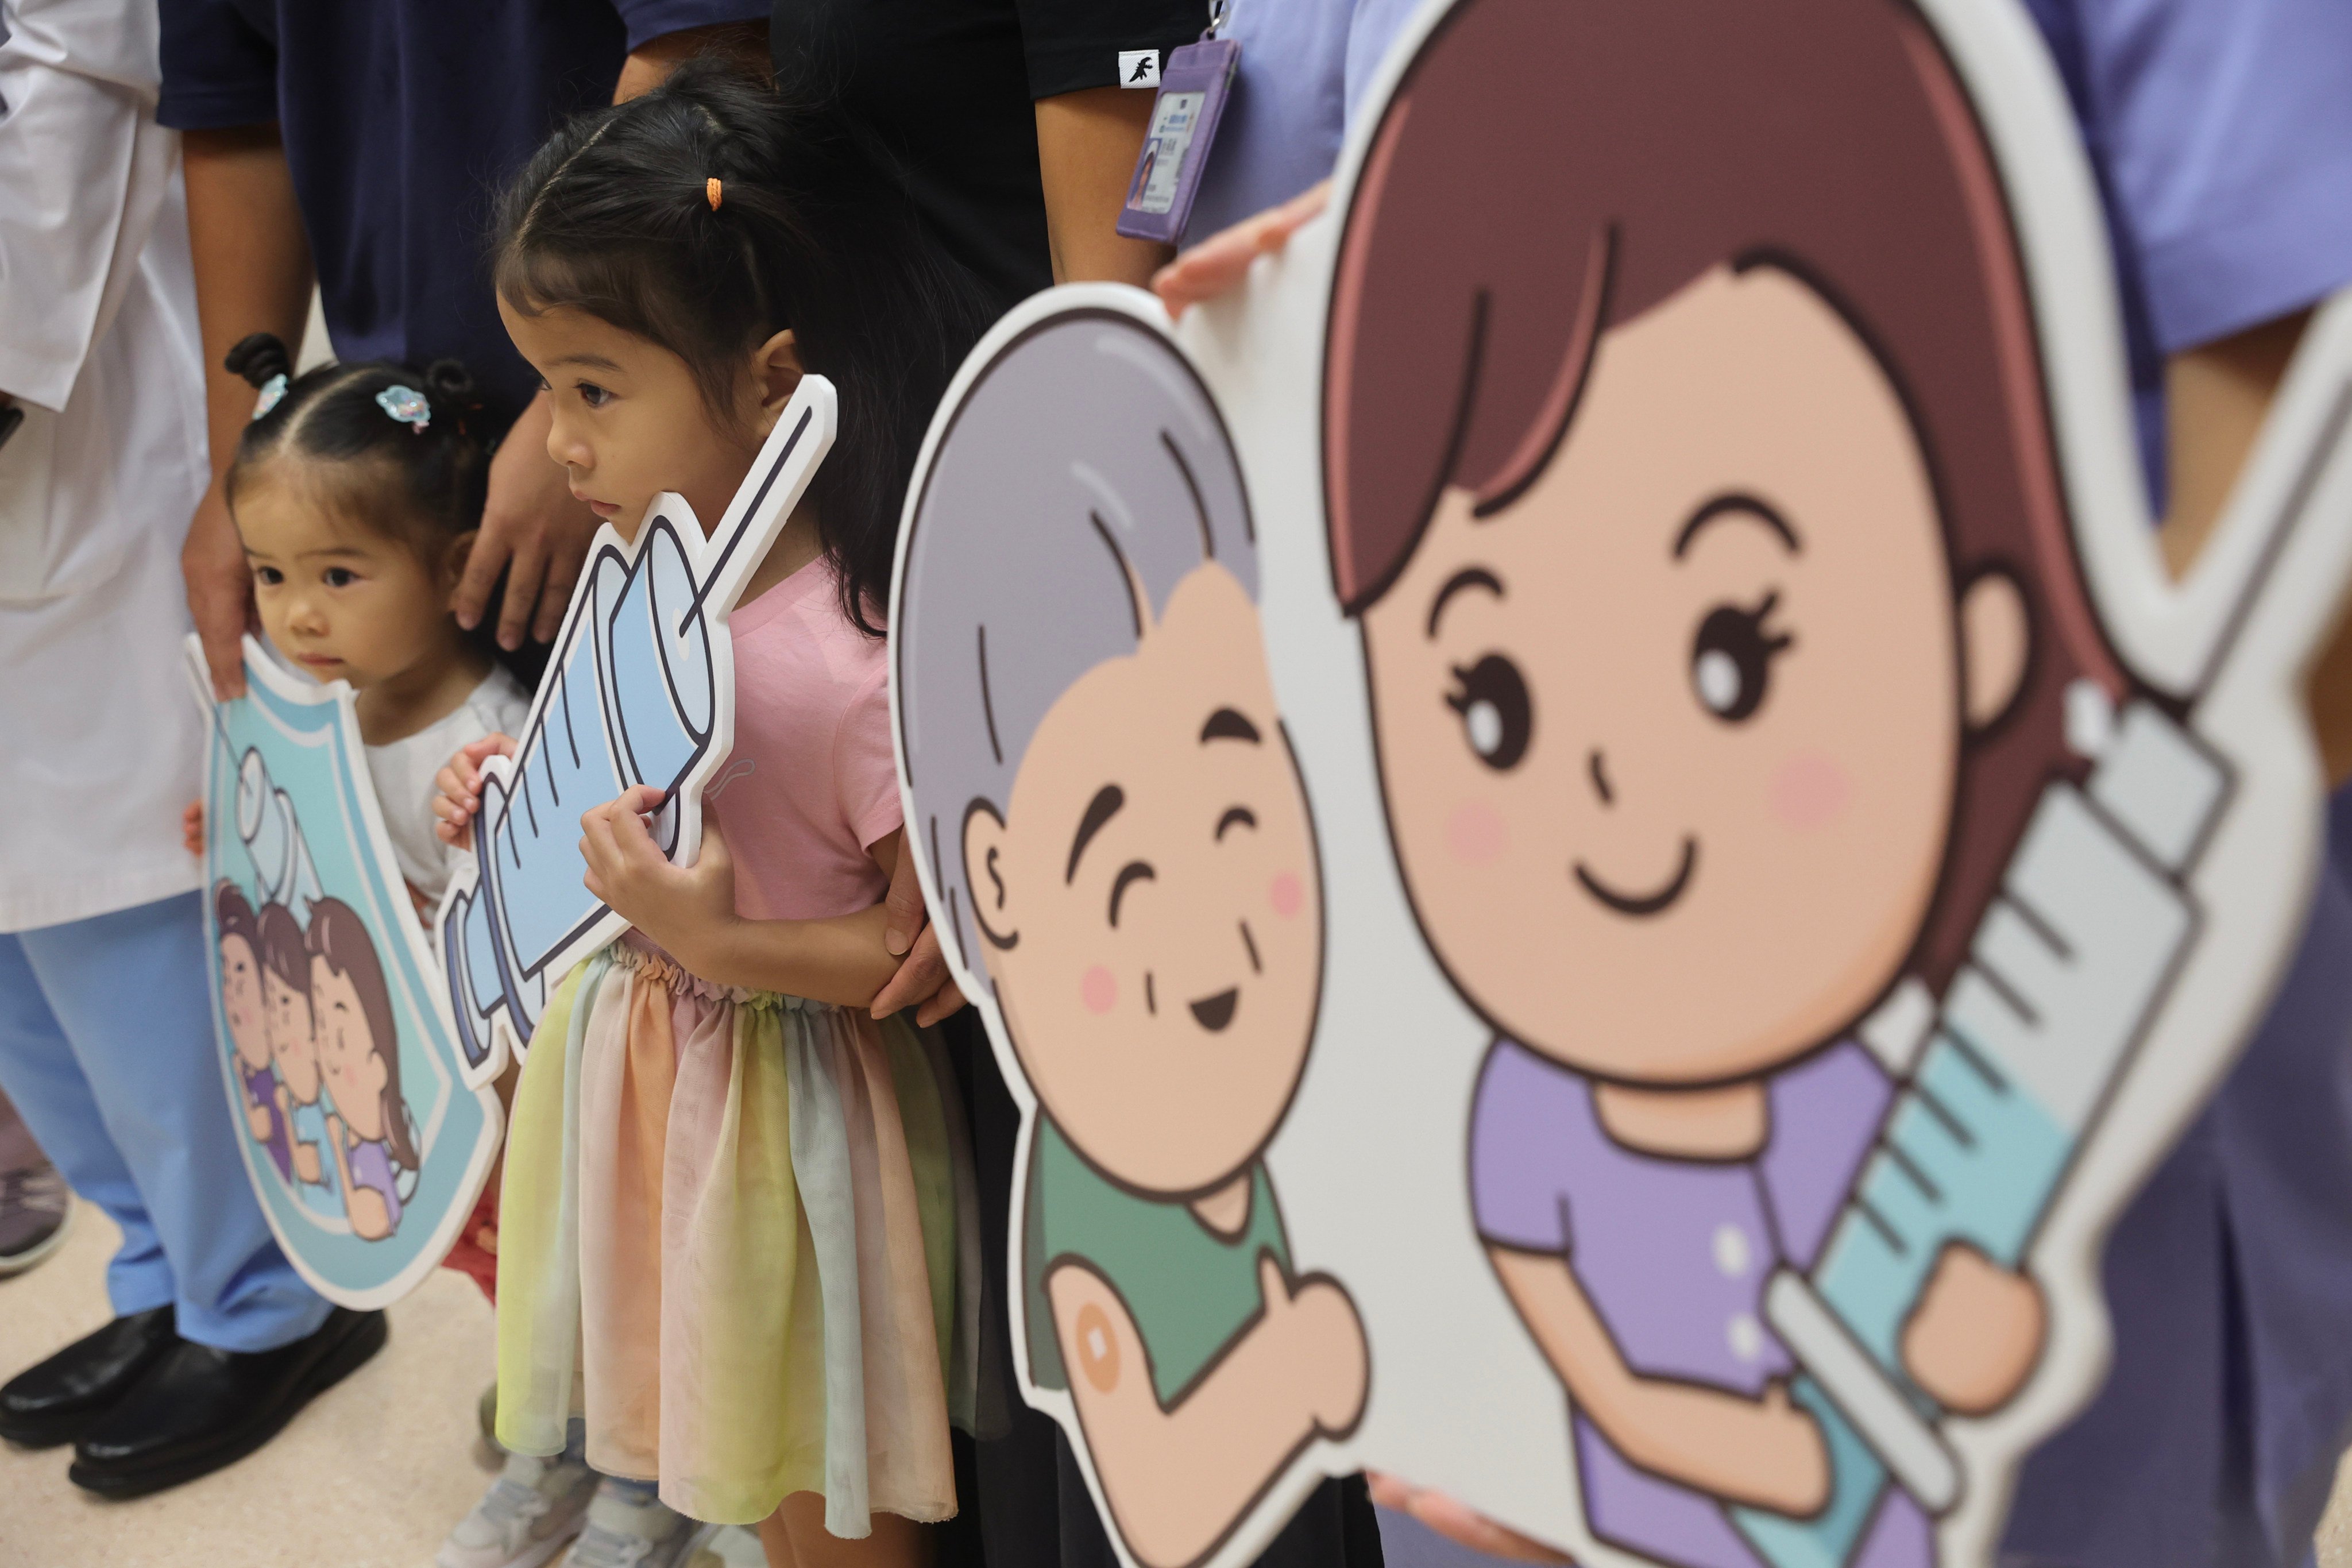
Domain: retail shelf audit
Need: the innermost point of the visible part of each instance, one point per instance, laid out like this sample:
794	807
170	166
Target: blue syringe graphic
272	836
640	691
2095	920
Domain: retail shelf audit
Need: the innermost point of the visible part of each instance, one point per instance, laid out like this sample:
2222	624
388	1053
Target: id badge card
1193	88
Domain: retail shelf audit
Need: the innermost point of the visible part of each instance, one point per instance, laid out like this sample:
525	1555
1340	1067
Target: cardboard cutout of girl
1112	826
1753	756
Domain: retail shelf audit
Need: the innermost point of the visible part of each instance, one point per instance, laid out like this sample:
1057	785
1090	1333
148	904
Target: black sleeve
220	64
1072	45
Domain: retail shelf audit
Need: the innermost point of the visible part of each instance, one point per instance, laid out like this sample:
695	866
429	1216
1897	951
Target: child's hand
459	788
680	906
192	828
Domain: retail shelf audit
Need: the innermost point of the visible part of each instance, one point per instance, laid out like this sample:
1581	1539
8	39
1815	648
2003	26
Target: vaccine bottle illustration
272	836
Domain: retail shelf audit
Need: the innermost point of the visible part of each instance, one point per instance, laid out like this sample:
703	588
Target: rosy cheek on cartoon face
1288	894
1810	791
1098	989
1475	833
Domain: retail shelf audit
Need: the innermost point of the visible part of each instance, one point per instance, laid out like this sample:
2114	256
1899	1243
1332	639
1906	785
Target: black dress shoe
58	1400
199	1409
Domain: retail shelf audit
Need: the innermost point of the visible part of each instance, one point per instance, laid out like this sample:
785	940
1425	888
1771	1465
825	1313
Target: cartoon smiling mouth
1214	1013
1642	905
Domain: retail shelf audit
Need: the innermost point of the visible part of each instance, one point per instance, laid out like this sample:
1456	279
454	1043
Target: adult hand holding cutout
1219	263
923	980
1458	1523
220	591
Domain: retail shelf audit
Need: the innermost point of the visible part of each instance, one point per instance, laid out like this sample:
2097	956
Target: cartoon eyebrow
1100	810
1228	724
1737	503
1235	816
1468	577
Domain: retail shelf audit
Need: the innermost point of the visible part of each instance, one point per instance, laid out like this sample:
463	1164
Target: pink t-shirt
811	784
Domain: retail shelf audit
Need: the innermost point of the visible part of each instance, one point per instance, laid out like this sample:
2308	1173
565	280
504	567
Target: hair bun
257	356
447	383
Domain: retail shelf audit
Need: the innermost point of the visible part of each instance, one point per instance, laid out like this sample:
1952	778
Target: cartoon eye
1731	660
1496	718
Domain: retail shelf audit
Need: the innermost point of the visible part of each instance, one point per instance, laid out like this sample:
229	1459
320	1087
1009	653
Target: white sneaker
729	1546
530	1512
624	1533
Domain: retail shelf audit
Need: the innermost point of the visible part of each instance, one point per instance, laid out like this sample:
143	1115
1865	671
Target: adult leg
129	992
58	1400
40	1073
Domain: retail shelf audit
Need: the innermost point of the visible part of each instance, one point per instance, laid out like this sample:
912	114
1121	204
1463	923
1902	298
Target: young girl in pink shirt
730	1194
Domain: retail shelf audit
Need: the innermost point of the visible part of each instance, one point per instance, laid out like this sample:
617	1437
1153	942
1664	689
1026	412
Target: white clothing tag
1139	68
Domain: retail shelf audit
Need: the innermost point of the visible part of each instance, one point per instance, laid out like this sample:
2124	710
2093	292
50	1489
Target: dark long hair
420	488
807	226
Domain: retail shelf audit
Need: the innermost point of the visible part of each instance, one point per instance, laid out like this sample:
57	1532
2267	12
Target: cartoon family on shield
1754	760
318	1052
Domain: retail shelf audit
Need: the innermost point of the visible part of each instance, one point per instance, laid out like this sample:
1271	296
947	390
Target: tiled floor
373	1474
370	1475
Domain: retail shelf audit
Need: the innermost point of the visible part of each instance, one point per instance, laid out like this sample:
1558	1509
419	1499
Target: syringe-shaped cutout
640	690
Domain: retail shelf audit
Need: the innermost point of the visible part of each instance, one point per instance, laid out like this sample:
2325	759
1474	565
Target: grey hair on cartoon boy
1085	464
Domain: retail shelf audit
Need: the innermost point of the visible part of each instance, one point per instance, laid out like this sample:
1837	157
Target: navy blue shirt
401	120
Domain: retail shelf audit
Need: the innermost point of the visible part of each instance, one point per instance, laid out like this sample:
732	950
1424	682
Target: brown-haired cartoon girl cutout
1721	622
369	1133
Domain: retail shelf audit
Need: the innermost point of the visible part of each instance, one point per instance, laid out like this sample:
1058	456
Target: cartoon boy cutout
1720	620
368	1135
294	1048
248	1030
1115	821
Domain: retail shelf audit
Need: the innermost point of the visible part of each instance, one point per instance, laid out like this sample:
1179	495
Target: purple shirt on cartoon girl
371	1167
1674	1255
261	1089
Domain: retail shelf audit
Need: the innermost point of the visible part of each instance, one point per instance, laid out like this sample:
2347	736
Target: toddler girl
730	1197
356	490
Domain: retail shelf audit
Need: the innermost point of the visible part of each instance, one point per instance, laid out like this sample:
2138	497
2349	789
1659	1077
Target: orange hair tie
710	188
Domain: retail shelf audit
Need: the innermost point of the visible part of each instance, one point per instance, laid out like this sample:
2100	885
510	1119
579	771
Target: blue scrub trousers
107	1047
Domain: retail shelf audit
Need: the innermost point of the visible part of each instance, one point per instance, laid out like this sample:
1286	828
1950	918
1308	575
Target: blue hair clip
272	391
407	404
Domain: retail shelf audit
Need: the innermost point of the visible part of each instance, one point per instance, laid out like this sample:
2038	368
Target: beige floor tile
370	1475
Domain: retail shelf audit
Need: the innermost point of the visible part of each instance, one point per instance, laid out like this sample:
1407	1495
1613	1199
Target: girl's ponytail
449	387
259	357
709	214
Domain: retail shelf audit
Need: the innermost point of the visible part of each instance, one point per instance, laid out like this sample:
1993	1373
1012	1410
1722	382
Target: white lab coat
100	740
